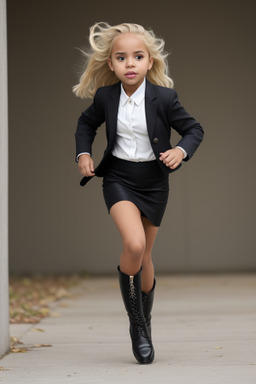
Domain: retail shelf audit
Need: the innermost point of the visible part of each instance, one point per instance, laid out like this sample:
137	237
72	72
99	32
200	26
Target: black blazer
163	111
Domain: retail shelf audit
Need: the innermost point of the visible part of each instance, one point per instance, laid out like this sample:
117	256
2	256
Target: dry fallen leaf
55	314
61	293
44	311
41	345
18	350
13	340
37	330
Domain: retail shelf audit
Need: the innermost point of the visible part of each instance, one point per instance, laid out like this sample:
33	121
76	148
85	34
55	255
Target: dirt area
31	296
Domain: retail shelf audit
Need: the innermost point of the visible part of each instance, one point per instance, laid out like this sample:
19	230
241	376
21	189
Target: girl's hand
85	165
172	158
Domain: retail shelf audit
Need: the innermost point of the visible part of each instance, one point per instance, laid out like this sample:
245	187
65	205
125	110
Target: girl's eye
120	58
139	57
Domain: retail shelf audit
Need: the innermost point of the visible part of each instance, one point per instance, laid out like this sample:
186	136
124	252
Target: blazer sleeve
87	125
191	131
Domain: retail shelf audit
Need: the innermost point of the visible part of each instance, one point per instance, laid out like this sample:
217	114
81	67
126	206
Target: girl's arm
191	131
87	126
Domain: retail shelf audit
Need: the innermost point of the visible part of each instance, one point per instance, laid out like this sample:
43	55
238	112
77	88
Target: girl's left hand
172	158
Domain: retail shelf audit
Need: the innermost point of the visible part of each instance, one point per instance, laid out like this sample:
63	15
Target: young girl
127	75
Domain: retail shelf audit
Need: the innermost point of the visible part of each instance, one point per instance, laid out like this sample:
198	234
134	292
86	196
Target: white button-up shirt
132	141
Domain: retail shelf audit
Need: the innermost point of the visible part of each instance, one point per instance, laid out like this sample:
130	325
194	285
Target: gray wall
57	226
4	291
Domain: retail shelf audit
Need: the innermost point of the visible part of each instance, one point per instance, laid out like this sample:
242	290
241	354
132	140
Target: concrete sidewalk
204	331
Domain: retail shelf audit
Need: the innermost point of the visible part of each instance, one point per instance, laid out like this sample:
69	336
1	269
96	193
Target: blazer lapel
150	108
112	111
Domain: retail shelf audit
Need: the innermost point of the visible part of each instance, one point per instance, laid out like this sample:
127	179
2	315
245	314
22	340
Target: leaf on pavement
41	345
37	330
18	350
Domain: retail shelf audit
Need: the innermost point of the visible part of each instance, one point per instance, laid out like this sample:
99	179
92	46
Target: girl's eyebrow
123	53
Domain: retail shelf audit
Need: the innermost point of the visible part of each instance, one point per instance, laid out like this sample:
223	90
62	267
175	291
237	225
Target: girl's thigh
127	218
150	231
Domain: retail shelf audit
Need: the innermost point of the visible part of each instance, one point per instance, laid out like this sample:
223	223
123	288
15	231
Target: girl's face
130	61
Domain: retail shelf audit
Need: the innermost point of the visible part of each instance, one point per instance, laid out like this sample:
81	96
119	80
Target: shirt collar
136	97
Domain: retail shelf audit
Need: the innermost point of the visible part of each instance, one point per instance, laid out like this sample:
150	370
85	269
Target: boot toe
144	351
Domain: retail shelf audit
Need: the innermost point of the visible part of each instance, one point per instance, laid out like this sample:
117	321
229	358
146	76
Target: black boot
142	347
147	304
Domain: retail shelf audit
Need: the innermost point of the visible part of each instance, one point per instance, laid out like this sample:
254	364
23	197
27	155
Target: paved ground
204	331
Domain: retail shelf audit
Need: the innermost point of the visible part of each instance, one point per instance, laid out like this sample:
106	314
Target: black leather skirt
142	183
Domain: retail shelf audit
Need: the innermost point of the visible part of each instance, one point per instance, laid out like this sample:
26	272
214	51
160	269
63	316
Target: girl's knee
135	249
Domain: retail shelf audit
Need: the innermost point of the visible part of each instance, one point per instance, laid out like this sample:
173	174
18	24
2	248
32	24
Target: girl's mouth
130	75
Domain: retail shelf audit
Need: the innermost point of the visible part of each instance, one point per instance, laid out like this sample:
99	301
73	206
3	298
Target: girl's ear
110	65
151	62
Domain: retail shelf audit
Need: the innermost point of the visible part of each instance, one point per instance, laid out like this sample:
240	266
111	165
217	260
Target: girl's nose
129	62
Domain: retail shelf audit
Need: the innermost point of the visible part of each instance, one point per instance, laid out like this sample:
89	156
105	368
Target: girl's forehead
128	40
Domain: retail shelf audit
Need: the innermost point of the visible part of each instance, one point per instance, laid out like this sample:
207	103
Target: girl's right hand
85	165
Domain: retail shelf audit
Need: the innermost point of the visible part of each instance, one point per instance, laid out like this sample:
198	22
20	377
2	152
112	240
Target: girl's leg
127	218
147	273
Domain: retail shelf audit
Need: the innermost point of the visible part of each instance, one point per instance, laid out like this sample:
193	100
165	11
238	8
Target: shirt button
155	140
129	101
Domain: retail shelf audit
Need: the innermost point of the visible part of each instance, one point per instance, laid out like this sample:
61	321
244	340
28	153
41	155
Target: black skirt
142	183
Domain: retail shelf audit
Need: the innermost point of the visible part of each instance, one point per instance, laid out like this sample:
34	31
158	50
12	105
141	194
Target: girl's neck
130	90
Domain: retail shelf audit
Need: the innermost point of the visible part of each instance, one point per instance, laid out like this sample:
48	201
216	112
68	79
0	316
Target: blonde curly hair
97	72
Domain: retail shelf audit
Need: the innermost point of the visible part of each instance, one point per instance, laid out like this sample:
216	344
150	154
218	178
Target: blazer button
155	140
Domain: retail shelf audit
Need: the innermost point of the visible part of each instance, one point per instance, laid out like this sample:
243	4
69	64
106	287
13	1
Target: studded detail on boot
142	347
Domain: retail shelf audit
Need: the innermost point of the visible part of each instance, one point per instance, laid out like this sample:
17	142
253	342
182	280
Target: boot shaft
147	305
147	302
131	293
